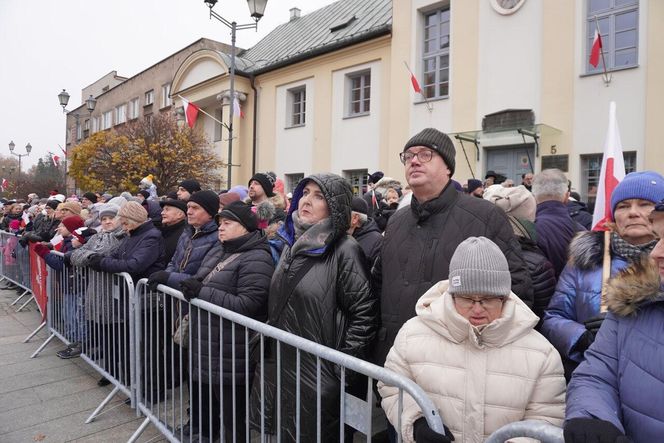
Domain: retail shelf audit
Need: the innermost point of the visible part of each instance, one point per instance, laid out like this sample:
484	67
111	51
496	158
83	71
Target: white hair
363	217
550	184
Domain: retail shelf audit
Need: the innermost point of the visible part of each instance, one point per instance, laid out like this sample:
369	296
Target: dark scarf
310	237
628	251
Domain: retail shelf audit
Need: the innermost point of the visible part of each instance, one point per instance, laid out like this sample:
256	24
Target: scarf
311	236
628	251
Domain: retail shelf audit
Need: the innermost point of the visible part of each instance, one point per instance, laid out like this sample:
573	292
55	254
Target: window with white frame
292	180
133	108
166	95
591	166
79	131
618	22
149	97
86	125
95	124
358	179
297	103
436	54
107	120
120	114
218	129
358	85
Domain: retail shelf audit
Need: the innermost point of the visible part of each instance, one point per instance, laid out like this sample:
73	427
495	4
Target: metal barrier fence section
15	265
539	430
229	395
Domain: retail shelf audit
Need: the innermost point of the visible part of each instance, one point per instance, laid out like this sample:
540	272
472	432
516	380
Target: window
297	99
149	97
166	95
148	118
120	114
86	125
436	54
359	93
618	26
79	131
133	108
107	120
217	126
358	180
95	124
591	168
292	180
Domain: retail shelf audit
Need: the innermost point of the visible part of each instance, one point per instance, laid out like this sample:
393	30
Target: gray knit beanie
479	267
439	142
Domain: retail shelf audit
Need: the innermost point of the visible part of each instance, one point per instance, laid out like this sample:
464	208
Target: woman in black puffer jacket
320	291
236	276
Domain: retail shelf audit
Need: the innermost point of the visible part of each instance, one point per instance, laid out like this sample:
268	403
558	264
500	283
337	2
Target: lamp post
28	148
257	9
90	104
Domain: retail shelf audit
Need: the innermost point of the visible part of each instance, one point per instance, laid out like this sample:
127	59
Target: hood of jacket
586	250
436	310
636	286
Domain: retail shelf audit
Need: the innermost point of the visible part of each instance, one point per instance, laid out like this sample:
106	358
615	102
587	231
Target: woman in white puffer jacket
473	349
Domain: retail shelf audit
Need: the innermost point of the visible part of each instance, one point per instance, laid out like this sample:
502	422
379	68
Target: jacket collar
446	199
172	228
552	207
207	228
635	287
142	228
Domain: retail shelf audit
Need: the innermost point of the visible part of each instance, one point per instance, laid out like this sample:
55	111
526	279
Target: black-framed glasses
465	302
425	155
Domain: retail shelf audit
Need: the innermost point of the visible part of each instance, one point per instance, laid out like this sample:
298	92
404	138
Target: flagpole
66	160
201	110
607	77
429	107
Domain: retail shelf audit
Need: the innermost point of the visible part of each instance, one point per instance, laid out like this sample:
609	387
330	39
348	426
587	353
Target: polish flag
596	50
63	151
190	112
414	82
237	110
612	173
5	184
55	159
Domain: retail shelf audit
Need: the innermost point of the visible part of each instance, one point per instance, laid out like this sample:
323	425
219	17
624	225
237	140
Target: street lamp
28	148
257	9
90	104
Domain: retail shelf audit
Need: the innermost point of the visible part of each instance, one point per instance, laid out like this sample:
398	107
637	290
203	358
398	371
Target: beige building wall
653	157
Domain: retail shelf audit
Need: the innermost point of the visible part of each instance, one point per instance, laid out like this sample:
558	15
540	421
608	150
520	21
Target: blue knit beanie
646	185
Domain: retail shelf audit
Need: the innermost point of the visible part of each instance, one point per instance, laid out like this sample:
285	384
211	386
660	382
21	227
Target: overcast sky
48	45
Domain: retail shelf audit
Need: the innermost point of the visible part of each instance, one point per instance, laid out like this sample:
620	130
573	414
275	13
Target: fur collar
633	287
586	250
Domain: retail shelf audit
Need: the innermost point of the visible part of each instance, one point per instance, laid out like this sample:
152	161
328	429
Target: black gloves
582	430
594	324
157	278
424	434
190	288
95	261
584	342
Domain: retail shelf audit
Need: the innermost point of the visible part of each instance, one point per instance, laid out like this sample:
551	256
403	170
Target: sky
50	45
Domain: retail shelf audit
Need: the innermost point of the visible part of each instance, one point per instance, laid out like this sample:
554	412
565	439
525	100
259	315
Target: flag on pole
612	173
5	184
413	81
63	151
237	110
190	112
596	49
55	159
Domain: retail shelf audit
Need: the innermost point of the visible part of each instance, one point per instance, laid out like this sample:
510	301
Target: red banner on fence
38	276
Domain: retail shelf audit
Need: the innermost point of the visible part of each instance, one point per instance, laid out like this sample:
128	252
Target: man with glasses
420	240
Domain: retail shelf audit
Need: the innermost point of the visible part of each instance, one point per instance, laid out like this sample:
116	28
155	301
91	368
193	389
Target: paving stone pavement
48	399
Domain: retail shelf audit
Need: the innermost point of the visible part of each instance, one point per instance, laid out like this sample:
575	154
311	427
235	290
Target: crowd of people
496	299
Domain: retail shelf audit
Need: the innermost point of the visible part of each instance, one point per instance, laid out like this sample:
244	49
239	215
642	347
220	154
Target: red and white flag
55	159
237	110
612	173
63	151
414	82
596	50
190	112
4	185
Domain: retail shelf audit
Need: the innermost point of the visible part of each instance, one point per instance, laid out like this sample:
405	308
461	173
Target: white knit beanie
479	267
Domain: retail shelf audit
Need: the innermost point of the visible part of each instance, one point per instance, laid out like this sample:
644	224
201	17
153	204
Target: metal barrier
539	430
219	404
15	262
94	310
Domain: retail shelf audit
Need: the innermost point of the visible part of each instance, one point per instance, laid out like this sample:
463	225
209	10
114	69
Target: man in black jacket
420	240
365	231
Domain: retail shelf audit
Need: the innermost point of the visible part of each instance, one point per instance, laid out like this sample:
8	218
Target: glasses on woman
465	302
424	156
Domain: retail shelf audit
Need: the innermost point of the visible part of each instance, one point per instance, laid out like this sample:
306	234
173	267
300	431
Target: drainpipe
254	148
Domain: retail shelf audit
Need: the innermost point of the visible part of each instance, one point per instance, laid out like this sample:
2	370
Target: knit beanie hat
266	181
74	207
180	204
359	205
646	185
107	197
229	197
144	193
241	213
73	222
439	142
517	201
479	267
190	185
108	209
473	184
117	201
91	196
133	211
375	177
53	204
208	200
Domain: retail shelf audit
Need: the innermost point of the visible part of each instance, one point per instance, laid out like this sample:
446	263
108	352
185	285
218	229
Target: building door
511	161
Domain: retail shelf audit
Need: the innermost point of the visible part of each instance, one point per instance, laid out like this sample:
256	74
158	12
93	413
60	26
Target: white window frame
296	112
121	114
134	108
591	164
79	131
165	95
358	93
436	60
107	120
149	97
607	23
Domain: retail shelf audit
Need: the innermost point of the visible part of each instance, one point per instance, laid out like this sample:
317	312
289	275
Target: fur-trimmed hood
586	250
637	285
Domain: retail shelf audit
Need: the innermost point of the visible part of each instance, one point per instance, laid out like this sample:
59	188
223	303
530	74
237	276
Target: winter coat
45	231
193	246
555	229
370	239
140	253
7	219
332	304
579	213
171	236
419	242
55	261
578	293
372	204
478	379
154	211
241	286
622	377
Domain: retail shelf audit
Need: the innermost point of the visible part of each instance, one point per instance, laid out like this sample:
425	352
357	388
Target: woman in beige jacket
473	349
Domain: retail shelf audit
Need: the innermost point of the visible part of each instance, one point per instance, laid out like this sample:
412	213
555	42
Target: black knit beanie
191	185
91	196
266	181
208	201
241	213
439	142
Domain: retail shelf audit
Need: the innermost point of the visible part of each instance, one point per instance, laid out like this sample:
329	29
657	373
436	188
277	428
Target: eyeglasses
487	303
424	156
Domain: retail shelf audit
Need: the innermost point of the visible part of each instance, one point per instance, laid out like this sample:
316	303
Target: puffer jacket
479	380
171	236
241	286
332	304
622	377
192	248
578	293
418	245
555	230
370	239
140	253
